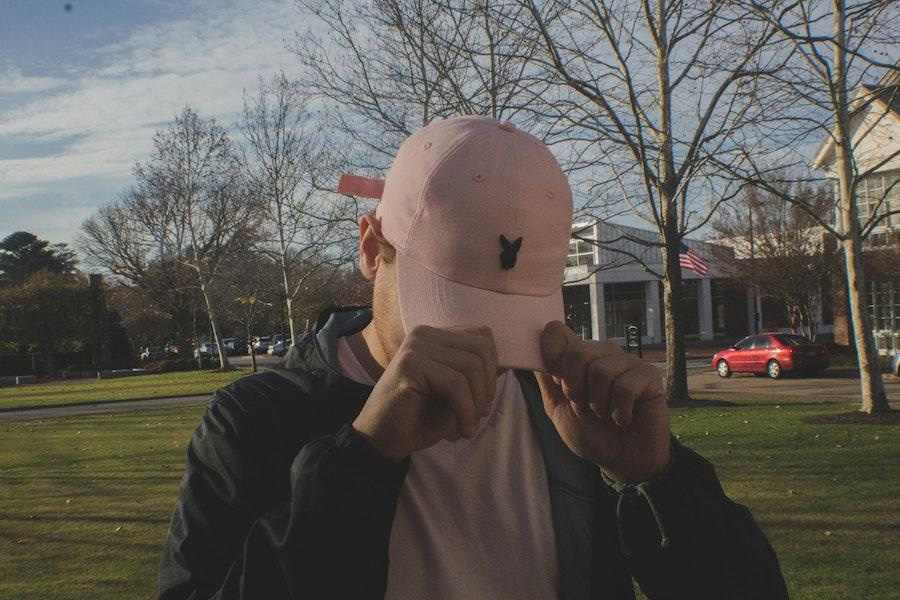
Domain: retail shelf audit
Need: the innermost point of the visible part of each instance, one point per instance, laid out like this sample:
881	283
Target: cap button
507	126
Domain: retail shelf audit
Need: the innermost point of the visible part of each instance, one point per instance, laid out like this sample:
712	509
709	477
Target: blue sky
83	90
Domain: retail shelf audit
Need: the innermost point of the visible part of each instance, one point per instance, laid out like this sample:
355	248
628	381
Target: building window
878	193
883	239
883	303
581	253
690	308
883	300
625	305
577	303
719	309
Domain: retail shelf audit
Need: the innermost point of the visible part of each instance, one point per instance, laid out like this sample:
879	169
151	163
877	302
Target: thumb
554	340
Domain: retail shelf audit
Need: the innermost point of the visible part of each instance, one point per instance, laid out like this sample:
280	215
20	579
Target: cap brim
516	321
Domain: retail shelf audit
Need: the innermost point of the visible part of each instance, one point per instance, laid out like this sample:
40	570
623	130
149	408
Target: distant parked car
261	344
234	346
206	349
772	354
279	347
240	346
895	365
152	353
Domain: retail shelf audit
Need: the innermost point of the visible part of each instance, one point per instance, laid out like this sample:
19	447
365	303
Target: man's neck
369	351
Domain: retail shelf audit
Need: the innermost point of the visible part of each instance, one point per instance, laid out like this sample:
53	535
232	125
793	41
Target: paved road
694	365
787	389
700	379
100	408
262	361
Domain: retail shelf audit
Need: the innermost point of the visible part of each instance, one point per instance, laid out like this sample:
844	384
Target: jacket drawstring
639	489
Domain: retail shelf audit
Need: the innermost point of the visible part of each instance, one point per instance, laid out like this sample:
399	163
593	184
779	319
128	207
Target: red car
771	354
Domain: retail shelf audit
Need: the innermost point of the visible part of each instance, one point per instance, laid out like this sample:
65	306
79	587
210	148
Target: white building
607	288
875	133
613	284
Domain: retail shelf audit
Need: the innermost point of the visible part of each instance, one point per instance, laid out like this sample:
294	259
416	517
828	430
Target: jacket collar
311	364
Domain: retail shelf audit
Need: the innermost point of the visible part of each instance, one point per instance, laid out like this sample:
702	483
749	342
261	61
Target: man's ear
369	249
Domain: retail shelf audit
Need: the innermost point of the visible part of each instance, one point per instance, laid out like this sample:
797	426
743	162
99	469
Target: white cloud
12	81
136	86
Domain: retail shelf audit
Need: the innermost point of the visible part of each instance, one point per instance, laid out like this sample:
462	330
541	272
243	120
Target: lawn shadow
701	403
856	417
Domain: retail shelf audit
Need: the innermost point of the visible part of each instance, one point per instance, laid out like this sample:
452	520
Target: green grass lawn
160	385
85	502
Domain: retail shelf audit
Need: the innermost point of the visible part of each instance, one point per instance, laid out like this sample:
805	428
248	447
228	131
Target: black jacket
281	499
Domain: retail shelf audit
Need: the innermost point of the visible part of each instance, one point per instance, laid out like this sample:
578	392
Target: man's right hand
439	385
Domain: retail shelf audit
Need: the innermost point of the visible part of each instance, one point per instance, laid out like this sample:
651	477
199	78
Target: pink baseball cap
480	214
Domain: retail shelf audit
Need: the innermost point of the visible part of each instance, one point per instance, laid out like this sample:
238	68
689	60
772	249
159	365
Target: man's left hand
609	407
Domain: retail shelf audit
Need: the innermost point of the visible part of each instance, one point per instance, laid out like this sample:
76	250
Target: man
456	441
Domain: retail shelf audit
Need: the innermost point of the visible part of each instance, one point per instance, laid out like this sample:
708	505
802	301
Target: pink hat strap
364	187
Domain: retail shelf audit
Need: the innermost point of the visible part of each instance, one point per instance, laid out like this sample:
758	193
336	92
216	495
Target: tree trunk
252	353
223	357
196	335
874	398
676	363
289	306
288	299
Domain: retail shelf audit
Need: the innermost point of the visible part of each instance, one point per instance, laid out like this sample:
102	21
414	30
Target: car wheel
773	369
723	369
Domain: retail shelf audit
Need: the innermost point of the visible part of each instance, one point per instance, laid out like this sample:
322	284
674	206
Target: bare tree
390	67
126	238
780	250
649	99
836	49
289	162
251	289
192	186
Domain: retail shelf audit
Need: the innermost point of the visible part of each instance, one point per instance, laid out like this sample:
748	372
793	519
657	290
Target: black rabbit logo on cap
510	252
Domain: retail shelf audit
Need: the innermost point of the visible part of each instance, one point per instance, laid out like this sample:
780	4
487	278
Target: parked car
206	349
279	347
152	353
261	344
772	354
240	346
234	346
895	365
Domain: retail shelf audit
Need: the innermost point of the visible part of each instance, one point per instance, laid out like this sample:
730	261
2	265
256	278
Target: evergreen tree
22	255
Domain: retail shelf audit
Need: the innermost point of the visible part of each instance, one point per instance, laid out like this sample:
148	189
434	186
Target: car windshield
793	340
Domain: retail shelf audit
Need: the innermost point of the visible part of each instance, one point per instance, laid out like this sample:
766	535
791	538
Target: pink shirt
473	518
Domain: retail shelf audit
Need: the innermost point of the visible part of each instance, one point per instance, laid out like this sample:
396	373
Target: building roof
885	94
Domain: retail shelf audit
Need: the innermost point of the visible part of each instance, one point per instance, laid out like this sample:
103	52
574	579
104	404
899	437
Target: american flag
693	261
